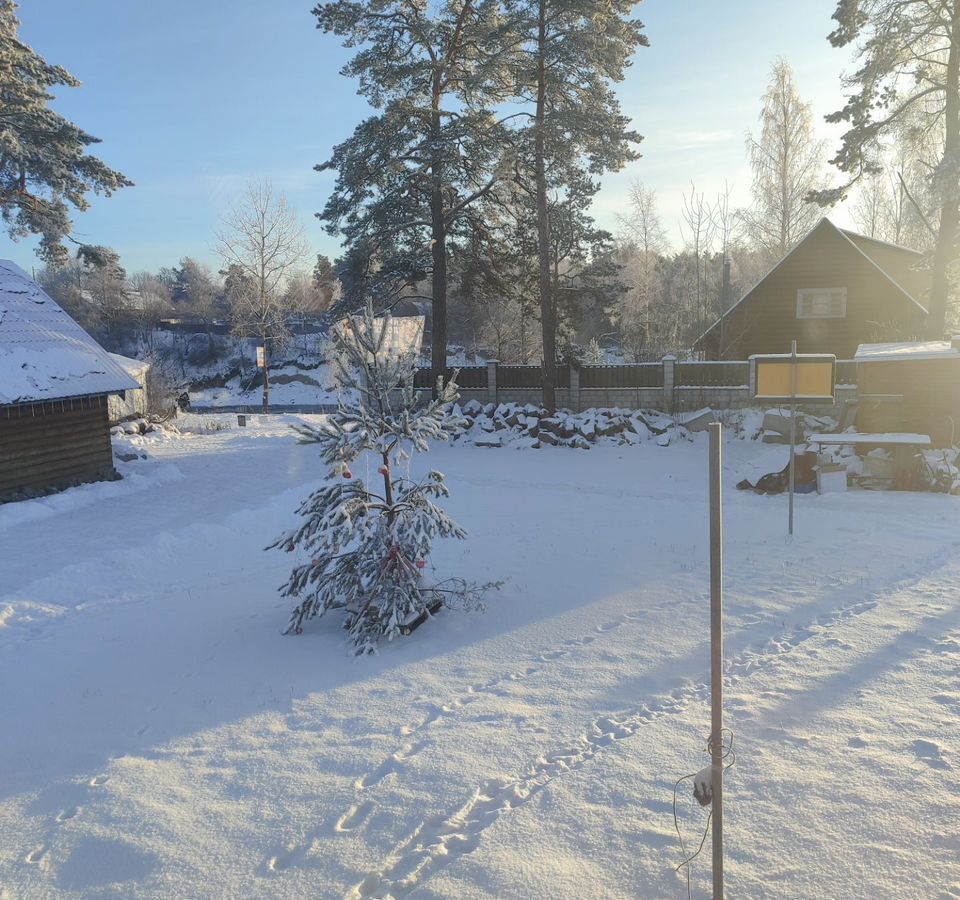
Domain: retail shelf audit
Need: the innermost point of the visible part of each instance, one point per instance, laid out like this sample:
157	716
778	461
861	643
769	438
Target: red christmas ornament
348	474
420	563
383	470
299	631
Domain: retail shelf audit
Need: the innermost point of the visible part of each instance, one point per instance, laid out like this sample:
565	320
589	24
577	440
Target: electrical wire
727	752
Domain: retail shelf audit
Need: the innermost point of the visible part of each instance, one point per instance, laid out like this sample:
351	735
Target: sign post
716	654
795	378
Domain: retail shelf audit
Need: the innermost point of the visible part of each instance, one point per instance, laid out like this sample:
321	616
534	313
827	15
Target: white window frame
804	293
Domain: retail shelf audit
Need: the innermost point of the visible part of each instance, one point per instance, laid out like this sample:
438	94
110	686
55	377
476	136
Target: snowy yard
160	737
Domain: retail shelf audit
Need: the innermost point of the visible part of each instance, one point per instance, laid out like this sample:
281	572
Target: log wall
53	445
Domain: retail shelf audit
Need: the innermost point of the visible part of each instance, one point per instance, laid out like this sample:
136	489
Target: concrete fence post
492	380
574	387
669	381
753	378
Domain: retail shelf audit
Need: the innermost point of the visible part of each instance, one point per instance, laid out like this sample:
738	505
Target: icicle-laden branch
369	546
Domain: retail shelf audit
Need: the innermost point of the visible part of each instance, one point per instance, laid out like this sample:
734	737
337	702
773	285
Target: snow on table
161	738
884	438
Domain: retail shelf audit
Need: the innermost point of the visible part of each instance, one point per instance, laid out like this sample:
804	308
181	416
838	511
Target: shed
832	292
54	383
913	386
132	403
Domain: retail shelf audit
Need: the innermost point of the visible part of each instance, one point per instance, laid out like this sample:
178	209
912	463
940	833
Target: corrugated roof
44	354
910	350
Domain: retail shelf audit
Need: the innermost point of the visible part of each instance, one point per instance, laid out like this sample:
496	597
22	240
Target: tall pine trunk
547	311
945	250
438	245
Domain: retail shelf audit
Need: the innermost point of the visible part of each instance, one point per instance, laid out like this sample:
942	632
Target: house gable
825	262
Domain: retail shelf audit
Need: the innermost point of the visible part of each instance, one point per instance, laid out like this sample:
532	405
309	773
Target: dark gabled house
54	383
832	292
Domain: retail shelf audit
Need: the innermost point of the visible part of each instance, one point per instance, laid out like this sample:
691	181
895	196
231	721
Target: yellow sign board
799	377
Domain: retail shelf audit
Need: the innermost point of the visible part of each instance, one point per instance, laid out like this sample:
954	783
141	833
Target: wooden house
832	292
54	384
912	387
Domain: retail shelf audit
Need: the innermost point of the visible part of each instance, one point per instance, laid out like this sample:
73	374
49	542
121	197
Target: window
822	303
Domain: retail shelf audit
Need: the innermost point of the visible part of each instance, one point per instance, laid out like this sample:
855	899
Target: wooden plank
51	451
83	470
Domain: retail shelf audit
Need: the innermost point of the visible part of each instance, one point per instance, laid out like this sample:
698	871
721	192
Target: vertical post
716	653
574	386
793	430
669	377
492	381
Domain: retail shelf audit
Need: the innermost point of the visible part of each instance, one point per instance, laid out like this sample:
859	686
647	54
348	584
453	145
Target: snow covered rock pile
776	425
519	425
130	437
142	426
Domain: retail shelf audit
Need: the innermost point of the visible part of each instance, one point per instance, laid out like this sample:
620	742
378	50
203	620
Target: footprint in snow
35	855
98	780
67	814
354	817
857	742
930	753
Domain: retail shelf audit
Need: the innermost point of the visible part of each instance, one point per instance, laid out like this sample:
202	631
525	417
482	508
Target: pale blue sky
193	98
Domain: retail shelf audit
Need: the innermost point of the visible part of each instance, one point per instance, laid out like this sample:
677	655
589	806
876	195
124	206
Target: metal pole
716	654
793	427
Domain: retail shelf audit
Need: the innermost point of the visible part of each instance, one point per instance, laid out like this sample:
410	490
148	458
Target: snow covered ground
159	737
289	386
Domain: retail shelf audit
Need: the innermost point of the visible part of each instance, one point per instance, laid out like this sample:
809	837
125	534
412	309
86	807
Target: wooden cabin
832	292
910	387
54	383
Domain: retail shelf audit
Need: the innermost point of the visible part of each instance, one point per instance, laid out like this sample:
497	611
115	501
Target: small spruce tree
368	544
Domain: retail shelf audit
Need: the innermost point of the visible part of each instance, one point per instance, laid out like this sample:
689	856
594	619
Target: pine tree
44	165
408	175
569	54
909	77
369	544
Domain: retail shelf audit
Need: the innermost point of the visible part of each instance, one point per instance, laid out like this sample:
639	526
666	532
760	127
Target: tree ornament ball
420	563
383	470
348	474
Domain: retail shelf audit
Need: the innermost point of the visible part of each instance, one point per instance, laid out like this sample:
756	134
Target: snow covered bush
368	544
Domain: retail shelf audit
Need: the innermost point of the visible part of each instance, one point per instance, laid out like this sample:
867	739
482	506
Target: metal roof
44	354
908	350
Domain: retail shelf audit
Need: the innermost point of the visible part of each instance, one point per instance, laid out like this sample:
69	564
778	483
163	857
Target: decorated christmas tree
366	541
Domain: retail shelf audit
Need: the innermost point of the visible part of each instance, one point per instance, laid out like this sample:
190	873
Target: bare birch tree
643	241
262	238
698	227
787	162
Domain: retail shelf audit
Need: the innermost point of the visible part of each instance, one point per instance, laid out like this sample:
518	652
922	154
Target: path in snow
165	740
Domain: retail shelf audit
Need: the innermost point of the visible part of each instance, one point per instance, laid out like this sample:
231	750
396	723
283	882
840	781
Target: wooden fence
670	384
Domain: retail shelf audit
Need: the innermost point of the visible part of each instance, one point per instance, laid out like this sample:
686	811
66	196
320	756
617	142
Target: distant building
832	292
54	384
130	403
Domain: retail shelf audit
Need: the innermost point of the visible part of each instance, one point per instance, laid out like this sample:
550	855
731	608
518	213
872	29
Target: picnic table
905	447
879	439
